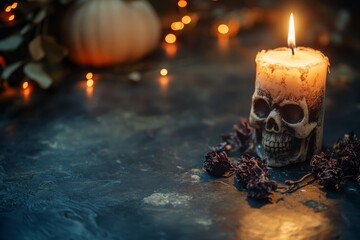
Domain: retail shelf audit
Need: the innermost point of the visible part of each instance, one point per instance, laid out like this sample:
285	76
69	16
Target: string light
8	9
223	29
163	72
186	19
182	3
11	17
170	38
25	85
89	83
14	5
176	26
89	75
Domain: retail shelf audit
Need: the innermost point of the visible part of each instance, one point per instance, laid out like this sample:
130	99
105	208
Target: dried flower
331	177
243	131
318	163
220	147
261	188
248	167
342	143
253	174
218	164
232	141
342	162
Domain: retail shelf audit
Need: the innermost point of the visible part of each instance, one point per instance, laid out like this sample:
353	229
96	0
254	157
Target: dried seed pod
347	164
218	164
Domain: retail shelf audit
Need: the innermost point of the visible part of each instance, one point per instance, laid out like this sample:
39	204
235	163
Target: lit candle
288	102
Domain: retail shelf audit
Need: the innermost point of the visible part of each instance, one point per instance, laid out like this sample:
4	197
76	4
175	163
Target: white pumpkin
105	32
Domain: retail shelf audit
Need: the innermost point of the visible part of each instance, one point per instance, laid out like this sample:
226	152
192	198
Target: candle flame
291	34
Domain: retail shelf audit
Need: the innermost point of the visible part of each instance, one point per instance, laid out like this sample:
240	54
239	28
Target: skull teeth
275	143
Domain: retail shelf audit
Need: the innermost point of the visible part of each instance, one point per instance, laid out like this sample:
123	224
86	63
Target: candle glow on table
288	101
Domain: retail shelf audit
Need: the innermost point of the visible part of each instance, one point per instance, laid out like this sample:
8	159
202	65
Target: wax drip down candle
287	108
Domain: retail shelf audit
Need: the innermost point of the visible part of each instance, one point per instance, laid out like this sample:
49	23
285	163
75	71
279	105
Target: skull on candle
287	108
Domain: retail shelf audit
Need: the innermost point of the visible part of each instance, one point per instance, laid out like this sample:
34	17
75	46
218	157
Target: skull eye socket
261	108
292	113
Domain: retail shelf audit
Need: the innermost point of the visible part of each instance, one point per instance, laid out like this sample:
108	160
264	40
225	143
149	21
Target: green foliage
27	47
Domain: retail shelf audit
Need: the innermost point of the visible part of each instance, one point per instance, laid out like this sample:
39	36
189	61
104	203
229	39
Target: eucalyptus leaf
54	52
35	71
10	69
35	48
10	43
25	29
40	16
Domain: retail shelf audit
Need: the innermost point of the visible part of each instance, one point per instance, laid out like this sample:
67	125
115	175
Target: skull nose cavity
272	126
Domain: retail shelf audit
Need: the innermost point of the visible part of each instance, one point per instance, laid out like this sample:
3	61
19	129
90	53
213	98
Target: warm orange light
176	26
170	38
186	19
14	5
25	85
291	34
8	9
89	75
170	49
163	72
11	17
223	29
164	83
182	3
89	83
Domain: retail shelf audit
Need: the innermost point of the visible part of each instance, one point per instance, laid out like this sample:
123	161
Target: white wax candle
288	103
302	74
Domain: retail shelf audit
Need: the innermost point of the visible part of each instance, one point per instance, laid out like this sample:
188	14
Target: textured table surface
125	161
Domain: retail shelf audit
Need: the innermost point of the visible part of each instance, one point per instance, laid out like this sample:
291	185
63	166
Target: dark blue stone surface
126	161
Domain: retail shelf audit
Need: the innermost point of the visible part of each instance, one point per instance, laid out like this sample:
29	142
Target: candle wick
292	49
